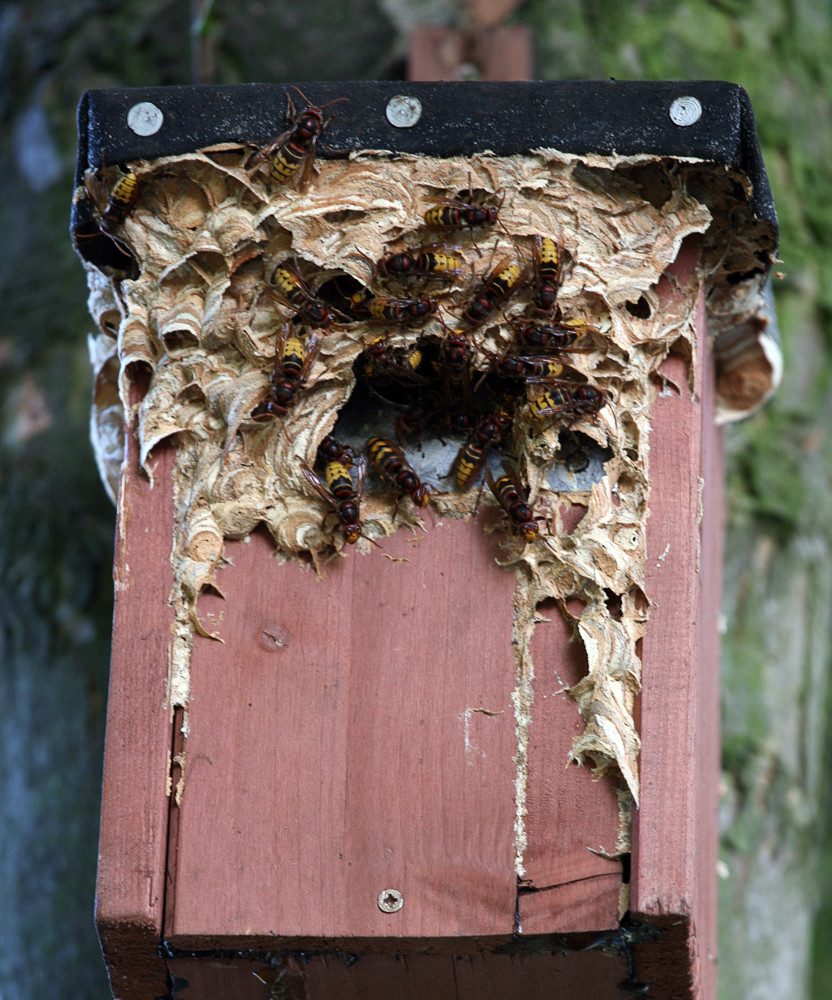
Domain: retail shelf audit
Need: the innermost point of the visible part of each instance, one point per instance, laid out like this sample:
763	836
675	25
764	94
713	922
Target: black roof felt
580	117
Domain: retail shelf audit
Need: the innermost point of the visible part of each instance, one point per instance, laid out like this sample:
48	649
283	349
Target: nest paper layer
207	235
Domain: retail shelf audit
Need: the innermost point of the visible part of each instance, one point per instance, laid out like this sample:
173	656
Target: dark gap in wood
302	953
176	774
521	883
527	887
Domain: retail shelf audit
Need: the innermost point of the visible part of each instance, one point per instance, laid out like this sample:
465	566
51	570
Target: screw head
685	111
390	900
145	118
404	111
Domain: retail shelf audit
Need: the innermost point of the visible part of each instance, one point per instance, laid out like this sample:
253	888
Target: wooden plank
708	722
589	975
662	873
581	905
568	812
503	53
134	806
441	53
675	829
373	750
663	876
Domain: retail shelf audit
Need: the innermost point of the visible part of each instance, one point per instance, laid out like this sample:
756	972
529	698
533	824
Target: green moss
778	52
767	474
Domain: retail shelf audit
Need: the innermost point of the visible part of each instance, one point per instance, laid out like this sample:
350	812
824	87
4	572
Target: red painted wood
568	812
442	53
373	750
134	808
356	733
675	829
663	871
664	864
585	905
708	735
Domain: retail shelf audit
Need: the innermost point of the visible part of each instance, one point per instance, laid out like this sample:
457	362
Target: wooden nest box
414	681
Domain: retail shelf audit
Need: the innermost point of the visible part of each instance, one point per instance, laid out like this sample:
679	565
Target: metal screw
390	900
145	118
403	111
685	111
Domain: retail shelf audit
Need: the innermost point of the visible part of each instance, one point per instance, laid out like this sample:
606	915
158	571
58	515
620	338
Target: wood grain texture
675	829
371	750
569	814
708	734
582	905
134	808
355	733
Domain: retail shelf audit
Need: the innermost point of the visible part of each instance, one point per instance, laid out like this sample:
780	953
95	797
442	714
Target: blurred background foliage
56	524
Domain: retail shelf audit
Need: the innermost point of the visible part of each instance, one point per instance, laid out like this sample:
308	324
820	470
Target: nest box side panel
675	828
134	811
709	720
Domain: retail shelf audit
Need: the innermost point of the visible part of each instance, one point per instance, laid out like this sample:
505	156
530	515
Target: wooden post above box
454	756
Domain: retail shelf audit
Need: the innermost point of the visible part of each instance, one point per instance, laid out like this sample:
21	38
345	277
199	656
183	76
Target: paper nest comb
207	233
